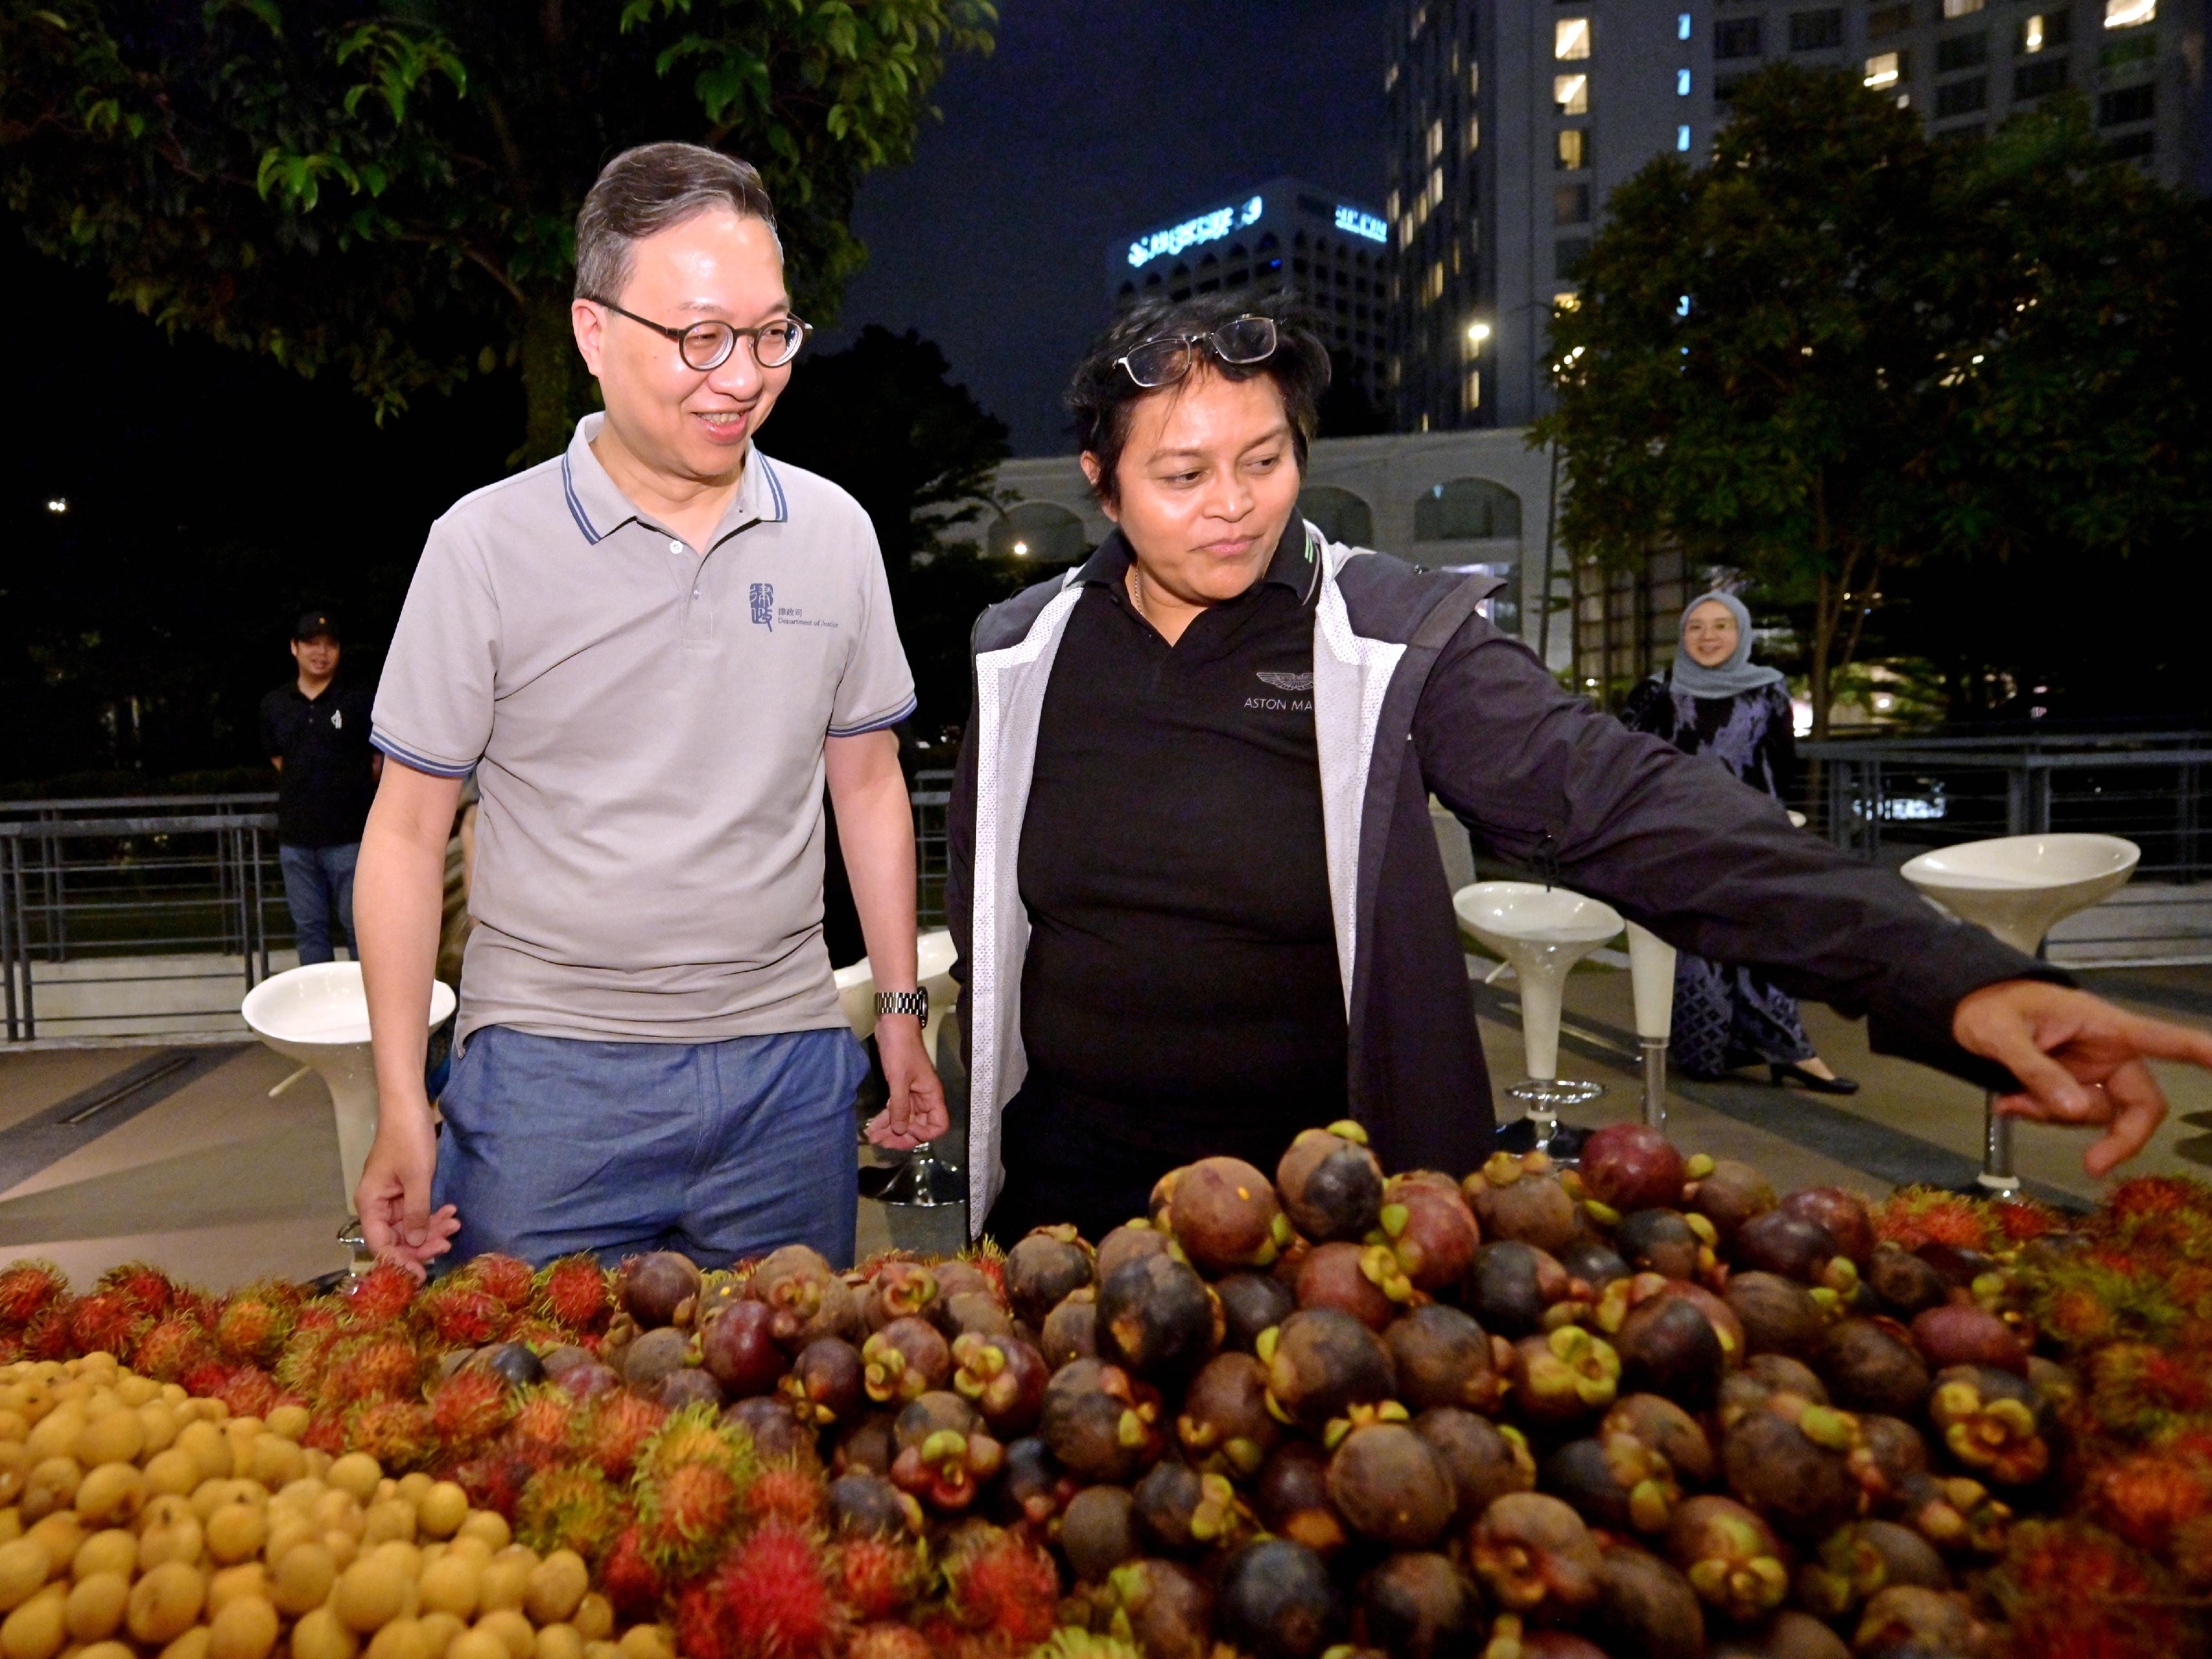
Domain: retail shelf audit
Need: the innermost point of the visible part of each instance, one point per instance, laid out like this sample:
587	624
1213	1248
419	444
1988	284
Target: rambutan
496	1481
2021	1219
379	1296
471	1406
544	1418
685	1511
305	1363
145	1289
255	1323
568	1507
172	1347
463	1316
1002	1585
2147	1496
249	1391
380	1364
47	1336
539	1334
2153	1195
104	1322
1915	1215
325	1433
878	1577
397	1433
2139	1390
784	1492
614	1429
628	1575
27	1289
507	1277
771	1598
576	1293
206	1379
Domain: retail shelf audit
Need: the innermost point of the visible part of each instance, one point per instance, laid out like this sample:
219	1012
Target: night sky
1089	121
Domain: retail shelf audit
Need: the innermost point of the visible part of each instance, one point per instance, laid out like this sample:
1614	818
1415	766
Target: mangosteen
1845	1215
1729	1194
1512	1285
1043	1267
658	1288
1894	1450
1422	1605
1391	1485
866	1504
1661	1242
809	1300
588	1381
1444	1358
1646	1607
1668	1430
1903	1284
1792	1634
829	1380
1520	1198
1779	1241
900	1290
1099	1532
1292	1496
1614	1481
688	1387
514	1362
1155	1318
1225	1215
961	1277
1628	1166
1721	1317
558	1362
1126	1243
654	1355
1535	1557
738	1346
1730	1556
1165	1606
1100	1421
2059	1385
1993	1421
1322	1363
1960	1265
775	1430
1005	1377
1779	1314
1032	1488
1908	1621
1565	1376
1797	1472
1429	1232
1870	1366
1592	1260
1778	1373
976	1312
1330	1185
1277	1600
1224	1426
1334	1275
1250	1302
1180	1510
868	1445
1855	1561
1071	1329
943	1455
1668	1347
1960	1334
1485	1460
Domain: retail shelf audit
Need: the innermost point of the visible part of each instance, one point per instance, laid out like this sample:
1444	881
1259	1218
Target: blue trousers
553	1146
318	882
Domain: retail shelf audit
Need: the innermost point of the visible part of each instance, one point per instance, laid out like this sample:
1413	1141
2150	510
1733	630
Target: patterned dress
1727	1016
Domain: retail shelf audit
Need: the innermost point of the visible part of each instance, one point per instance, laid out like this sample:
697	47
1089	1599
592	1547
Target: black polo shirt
1181	984
324	791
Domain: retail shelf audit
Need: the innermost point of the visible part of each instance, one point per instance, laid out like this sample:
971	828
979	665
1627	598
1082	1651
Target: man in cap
314	730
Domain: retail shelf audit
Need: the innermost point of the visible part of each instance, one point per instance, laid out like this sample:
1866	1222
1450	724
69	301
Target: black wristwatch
904	1002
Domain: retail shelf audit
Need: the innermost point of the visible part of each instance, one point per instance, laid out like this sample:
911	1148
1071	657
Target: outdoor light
2126	13
1021	549
1477	332
56	503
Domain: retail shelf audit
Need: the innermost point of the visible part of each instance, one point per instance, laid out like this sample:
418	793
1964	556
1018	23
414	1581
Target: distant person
314	729
1715	701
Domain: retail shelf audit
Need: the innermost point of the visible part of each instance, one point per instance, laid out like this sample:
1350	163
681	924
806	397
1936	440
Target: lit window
1574	148
1389	77
1883	68
1683	136
1571	93
1390	208
2126	13
1435	289
1571	37
1474	388
1961	7
2044	31
1436	196
1435	139
1473	134
2032	35
1681	26
1681	83
1569	301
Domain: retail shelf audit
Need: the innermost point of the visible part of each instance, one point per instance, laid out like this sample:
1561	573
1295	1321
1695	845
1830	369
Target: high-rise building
1333	252
1510	121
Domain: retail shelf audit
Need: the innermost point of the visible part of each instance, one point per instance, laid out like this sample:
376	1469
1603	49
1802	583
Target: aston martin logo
1285	681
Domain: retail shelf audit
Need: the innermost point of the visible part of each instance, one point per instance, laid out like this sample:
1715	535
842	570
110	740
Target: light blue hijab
1738	674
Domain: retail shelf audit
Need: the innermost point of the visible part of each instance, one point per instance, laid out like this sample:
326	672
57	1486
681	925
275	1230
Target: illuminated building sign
1191	233
1353	222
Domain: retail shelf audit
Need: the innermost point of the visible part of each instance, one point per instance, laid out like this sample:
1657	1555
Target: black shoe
1789	1071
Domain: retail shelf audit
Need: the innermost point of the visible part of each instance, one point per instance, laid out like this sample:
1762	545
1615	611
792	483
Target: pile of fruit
1646	1406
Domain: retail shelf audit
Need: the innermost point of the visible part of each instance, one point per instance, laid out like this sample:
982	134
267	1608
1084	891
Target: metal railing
1885	799
931	794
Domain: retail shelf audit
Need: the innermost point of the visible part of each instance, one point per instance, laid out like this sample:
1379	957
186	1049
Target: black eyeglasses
708	345
1168	358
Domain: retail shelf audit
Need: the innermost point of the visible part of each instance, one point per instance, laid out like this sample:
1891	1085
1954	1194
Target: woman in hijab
1715	701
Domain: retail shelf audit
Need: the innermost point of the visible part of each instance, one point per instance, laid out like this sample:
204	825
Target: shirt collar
598	505
1297	563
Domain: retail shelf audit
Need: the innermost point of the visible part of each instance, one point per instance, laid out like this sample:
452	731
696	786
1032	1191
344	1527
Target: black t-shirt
1180	983
324	791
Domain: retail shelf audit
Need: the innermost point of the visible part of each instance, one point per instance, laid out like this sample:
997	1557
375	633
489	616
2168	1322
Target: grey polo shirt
646	722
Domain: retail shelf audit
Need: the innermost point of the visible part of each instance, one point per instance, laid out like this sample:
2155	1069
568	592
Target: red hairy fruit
685	1512
614	1430
249	1391
255	1323
27	1289
1001	1585
575	1293
464	1316
785	1492
469	1408
544	1418
379	1296
382	1363
568	1508
171	1348
1627	1166
505	1277
876	1577
144	1289
397	1433
628	1575
104	1322
771	1598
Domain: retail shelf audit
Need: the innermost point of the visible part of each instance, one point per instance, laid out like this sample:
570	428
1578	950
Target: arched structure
1342	516
1465	510
1043	531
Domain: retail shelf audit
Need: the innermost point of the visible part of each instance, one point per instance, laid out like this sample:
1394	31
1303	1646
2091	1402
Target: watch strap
903	1002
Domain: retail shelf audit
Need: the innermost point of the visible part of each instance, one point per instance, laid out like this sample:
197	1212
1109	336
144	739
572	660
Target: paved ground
179	1154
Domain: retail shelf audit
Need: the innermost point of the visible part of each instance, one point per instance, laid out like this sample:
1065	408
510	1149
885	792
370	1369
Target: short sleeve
433	703
877	688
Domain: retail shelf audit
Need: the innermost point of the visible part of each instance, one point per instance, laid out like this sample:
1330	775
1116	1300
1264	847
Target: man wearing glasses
652	652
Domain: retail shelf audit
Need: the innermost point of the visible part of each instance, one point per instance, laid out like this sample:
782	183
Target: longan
192	1644
504	1582
478	1643
236	1531
208	1447
62	1533
50	1487
111	1495
338	1508
288	1422
180	1541
594	1617
93	1610
304	1578
490	1526
441	1509
172	1473
275	1461
165	1602
648	1642
512	1628
559	1642
113	1551
133	1390
439	1629
451	1584
55	1434
287	1529
118	1437
14	1469
321	1634
358	1473
245	1629
403	1638
387	1519
371	1594
247	1578
158	1417
555	1587
105	1650
25	1566
35	1630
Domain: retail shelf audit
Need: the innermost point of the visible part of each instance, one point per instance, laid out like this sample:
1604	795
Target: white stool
2020	887
1651	981
925	1183
318	1016
1543	932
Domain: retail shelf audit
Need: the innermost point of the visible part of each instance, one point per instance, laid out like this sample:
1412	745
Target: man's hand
2079	1061
916	1112
393	1199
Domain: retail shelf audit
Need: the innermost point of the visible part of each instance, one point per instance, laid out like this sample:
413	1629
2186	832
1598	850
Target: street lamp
1021	549
57	504
1477	333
